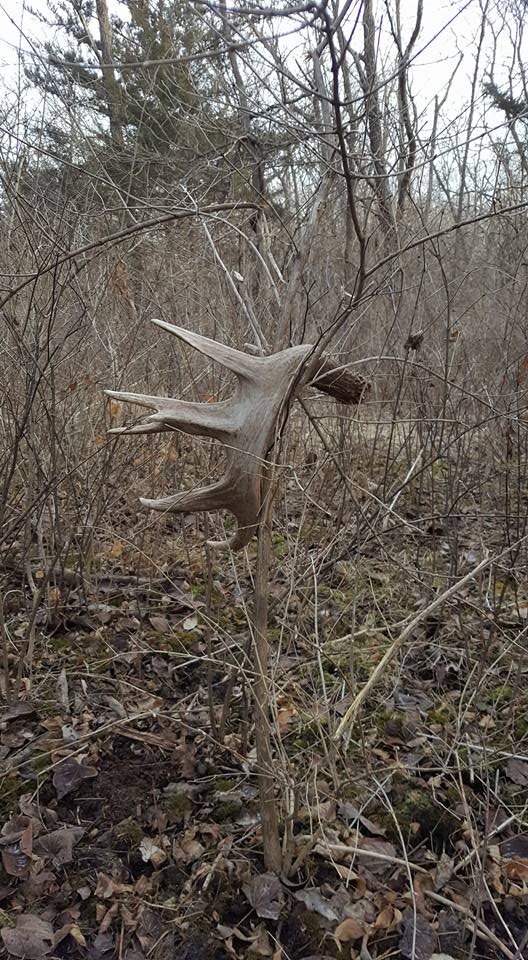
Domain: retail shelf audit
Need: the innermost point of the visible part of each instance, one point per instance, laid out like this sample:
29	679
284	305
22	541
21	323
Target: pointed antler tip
236	542
171	327
149	504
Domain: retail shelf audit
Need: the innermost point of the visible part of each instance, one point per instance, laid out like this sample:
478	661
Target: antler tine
241	538
198	419
142	399
223	495
143	427
240	363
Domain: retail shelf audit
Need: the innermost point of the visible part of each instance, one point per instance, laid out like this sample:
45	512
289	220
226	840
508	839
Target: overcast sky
449	27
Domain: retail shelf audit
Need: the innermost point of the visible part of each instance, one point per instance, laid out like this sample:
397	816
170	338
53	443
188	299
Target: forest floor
131	827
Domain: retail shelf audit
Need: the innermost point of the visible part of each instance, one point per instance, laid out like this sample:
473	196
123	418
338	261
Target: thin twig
482	931
378	672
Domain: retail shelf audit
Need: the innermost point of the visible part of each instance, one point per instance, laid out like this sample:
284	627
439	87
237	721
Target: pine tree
157	129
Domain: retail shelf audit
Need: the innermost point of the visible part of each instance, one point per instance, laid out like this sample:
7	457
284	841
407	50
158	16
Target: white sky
431	70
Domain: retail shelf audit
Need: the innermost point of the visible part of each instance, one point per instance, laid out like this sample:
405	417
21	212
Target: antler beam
246	423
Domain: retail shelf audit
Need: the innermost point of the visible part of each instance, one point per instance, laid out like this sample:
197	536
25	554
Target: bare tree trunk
111	85
408	133
252	146
430	172
369	80
464	165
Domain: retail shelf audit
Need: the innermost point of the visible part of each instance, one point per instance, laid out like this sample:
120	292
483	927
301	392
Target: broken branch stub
246	424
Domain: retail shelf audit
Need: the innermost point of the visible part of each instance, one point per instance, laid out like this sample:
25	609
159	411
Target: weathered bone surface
246	424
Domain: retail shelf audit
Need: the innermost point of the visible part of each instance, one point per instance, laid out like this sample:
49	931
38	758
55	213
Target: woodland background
265	175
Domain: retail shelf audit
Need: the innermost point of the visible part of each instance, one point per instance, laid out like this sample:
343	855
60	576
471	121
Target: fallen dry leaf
422	884
265	895
106	917
515	848
72	930
346	873
516	869
105	886
352	814
32	938
314	901
418	941
443	871
374	864
517	770
285	713
103	943
385	918
59	844
38	886
261	944
149	929
349	930
188	848
151	852
77	934
69	774
134	952
495	879
20	709
514	852
17	846
116	550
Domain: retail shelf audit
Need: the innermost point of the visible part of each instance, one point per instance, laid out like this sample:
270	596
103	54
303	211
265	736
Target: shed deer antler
245	424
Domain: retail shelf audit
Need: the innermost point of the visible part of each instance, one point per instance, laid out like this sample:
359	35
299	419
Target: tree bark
111	85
